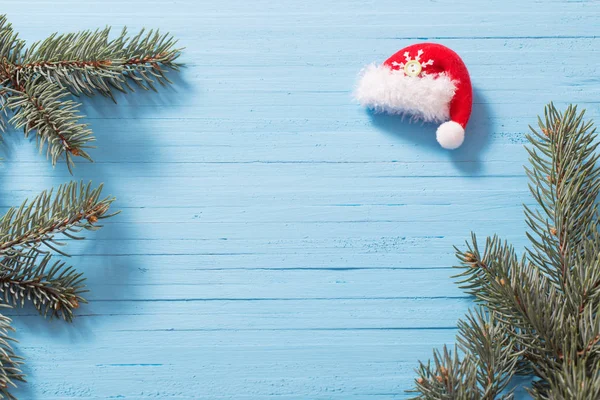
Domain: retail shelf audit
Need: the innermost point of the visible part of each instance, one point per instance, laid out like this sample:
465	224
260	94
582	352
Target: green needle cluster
36	84
537	313
30	237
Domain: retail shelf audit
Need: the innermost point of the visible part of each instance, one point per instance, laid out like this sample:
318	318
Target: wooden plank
277	241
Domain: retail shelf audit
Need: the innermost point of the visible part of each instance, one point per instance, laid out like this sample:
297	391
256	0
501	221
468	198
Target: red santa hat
427	81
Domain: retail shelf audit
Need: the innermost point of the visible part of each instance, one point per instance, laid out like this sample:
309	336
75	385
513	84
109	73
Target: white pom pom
450	135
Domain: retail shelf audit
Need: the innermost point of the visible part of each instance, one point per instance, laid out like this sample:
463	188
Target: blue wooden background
276	240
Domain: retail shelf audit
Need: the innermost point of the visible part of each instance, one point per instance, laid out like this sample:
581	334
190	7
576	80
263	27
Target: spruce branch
564	181
54	289
10	363
29	273
545	304
448	377
578	380
11	46
483	378
42	107
492	340
36	83
10	50
70	209
88	62
502	283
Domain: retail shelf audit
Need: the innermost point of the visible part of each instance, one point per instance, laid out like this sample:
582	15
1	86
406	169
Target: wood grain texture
277	241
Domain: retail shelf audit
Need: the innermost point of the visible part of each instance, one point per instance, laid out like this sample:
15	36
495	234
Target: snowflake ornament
413	67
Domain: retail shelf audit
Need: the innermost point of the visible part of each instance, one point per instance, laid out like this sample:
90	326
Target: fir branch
10	52
582	281
578	380
495	278
27	270
71	209
564	182
489	362
11	46
448	377
496	347
518	294
34	83
41	107
10	363
147	54
88	62
54	289
546	304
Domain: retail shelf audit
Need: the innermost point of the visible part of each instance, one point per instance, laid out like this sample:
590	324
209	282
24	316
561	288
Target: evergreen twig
544	306
41	107
72	208
10	363
34	83
54	290
29	273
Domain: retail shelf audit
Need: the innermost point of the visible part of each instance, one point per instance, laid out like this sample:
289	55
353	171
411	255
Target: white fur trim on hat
450	135
385	90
